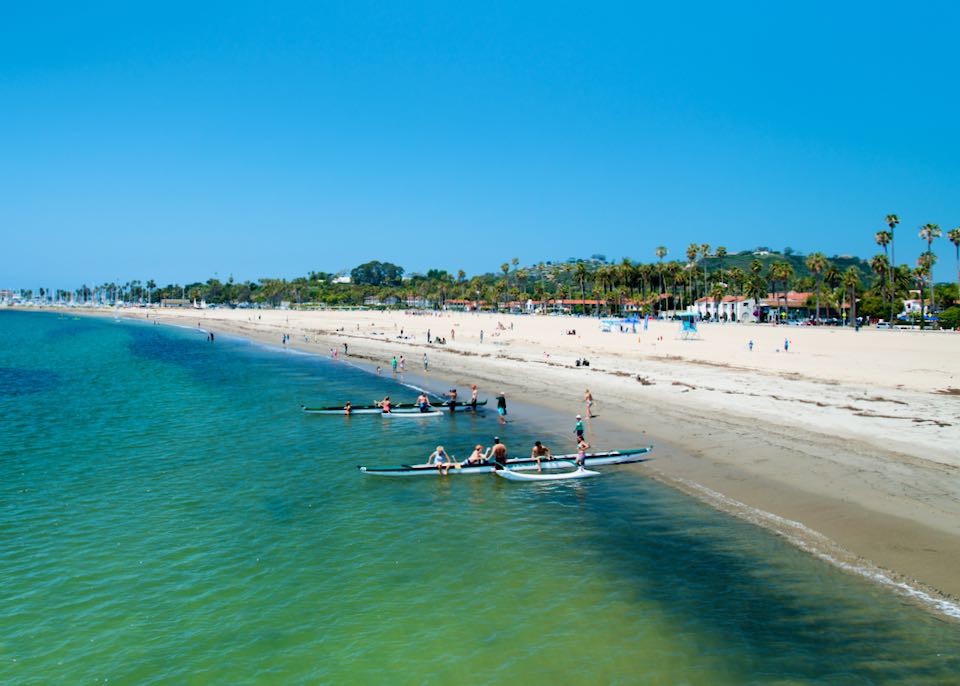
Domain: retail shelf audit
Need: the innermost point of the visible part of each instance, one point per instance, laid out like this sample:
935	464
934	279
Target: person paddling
478	456
385	405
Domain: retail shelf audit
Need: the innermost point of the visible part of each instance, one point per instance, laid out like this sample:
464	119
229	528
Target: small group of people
583	362
497	455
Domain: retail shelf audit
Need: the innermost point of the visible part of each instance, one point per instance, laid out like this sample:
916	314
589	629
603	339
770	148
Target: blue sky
174	141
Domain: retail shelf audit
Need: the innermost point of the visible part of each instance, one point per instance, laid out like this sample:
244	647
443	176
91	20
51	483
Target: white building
730	308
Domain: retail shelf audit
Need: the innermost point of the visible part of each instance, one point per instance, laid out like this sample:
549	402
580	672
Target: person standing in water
588	401
540	451
582	448
499	452
473	395
502	407
578	429
393	364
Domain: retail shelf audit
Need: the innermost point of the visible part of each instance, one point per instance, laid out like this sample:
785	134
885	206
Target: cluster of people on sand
583	362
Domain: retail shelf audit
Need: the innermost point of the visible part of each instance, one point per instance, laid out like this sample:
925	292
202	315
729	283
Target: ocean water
169	516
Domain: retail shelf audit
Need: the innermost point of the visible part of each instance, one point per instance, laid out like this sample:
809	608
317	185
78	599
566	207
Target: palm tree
929	232
883	239
922	274
736	278
721	253
880	266
954	236
817	262
892	221
581	273
661	252
851	281
151	284
717	293
756	288
704	253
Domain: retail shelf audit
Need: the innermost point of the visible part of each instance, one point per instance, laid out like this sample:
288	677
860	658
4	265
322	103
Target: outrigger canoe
511	475
611	457
374	409
410	415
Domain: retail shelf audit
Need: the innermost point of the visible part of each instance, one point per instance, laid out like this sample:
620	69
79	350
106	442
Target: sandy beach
846	443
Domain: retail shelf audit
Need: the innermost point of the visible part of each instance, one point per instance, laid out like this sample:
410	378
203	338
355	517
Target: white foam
817	544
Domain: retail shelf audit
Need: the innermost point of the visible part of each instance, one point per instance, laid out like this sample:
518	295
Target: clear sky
177	140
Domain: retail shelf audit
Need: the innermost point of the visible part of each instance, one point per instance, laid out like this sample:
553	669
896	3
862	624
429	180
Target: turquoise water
168	516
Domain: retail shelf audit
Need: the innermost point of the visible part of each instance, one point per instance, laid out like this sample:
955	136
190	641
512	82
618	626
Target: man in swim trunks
540	451
499	454
423	403
453	399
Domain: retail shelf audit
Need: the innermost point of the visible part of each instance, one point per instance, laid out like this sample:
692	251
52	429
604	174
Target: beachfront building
730	308
790	305
175	302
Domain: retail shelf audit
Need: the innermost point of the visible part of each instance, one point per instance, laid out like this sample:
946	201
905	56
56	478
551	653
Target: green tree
892	222
720	253
929	233
954	236
851	281
817	263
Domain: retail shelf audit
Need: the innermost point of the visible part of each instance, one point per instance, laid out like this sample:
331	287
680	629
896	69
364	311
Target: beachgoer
344	349
478	456
539	452
786	345
453	335
750	345
578	429
588	399
499	454
348	408
393	364
402	363
502	407
425	364
423	402
440	458
481	335
428	336
582	448
379	370
385	405
453	399
473	395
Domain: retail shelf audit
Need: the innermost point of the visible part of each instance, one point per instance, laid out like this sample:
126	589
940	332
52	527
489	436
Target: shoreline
882	509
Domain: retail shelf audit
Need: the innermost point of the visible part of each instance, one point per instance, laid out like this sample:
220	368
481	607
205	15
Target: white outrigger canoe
416	414
612	457
579	473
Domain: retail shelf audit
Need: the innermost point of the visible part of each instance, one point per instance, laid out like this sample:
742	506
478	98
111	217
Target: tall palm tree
151	284
883	239
721	253
929	232
756	288
717	293
661	252
954	236
851	281
704	253
736	278
817	262
581	273
892	222
881	266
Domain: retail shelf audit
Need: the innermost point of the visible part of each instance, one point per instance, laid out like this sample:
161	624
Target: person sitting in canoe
423	403
348	408
385	405
440	458
478	456
540	451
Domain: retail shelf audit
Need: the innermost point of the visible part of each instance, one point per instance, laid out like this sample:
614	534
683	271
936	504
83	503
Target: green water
168	516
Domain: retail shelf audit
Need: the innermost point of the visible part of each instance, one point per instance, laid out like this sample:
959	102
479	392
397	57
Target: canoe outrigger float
516	464
376	409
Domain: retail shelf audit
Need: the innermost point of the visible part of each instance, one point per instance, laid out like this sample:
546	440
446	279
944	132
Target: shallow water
167	515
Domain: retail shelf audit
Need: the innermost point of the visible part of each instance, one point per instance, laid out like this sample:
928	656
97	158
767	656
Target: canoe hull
613	457
511	475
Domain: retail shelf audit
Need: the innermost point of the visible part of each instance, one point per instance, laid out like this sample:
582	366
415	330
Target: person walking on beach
428	336
481	335
588	401
393	364
540	451
344	349
578	429
425	365
502	407
402	364
453	335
